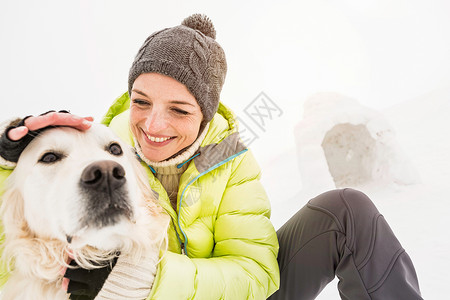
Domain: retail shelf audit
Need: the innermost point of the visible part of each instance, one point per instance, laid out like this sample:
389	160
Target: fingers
17	133
50	119
58	119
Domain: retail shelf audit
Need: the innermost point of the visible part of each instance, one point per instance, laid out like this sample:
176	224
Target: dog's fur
47	211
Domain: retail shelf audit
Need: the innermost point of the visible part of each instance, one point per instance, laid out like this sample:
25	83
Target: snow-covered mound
342	143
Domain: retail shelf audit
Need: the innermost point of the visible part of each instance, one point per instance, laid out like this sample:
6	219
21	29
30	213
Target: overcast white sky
76	54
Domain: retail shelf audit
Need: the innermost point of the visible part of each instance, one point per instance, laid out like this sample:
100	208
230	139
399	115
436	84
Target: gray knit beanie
190	54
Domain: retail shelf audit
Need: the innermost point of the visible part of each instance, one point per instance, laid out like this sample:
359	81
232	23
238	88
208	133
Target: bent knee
352	210
348	200
365	229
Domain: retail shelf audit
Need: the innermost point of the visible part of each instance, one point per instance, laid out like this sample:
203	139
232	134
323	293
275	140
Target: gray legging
341	233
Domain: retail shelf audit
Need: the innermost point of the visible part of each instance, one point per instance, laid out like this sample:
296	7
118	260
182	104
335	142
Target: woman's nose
156	122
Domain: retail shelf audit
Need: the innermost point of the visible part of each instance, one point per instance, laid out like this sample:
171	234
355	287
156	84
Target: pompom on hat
190	54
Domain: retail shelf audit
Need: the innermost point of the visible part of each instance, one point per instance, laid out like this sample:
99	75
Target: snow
412	189
378	55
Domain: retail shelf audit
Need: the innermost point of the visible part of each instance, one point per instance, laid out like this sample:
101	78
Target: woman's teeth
157	139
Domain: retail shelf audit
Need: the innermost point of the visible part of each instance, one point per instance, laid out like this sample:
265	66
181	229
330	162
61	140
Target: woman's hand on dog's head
50	119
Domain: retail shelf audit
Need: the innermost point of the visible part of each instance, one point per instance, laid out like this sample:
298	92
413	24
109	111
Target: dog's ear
145	189
160	219
14	225
12	215
22	251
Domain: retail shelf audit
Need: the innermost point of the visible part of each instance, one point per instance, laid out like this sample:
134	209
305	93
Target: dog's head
79	187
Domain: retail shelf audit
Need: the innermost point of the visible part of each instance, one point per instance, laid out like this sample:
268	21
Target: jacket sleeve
244	261
4	173
6	167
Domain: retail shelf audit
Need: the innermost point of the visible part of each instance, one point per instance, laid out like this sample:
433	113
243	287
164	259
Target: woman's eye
180	111
140	102
50	157
115	149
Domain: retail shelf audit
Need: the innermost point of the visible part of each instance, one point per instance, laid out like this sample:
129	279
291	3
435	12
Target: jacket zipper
184	245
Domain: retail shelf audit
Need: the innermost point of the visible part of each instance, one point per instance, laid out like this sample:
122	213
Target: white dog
77	192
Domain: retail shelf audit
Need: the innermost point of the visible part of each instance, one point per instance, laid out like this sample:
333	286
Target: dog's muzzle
103	186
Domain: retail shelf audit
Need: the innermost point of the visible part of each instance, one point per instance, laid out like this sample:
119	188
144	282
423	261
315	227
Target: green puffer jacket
221	223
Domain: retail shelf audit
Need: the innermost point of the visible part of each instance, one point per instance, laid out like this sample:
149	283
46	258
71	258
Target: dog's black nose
105	174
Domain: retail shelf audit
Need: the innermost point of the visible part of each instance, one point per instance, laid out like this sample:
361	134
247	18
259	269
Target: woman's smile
158	140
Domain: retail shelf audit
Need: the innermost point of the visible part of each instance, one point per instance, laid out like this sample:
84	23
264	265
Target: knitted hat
190	54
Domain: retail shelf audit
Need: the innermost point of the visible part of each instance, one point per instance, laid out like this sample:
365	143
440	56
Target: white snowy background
380	64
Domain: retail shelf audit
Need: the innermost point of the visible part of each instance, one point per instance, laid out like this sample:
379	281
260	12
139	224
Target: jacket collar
221	142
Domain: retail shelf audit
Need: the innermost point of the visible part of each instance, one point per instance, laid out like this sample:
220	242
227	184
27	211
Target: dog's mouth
69	238
112	213
107	238
75	236
104	209
102	224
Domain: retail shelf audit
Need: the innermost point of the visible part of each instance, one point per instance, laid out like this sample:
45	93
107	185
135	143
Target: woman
222	244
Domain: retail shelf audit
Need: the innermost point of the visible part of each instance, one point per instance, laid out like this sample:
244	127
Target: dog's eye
50	157
115	149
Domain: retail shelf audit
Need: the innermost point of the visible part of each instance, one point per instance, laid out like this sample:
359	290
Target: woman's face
164	117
